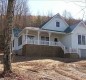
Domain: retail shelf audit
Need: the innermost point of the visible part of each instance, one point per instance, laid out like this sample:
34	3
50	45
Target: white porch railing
42	42
32	41
57	44
50	43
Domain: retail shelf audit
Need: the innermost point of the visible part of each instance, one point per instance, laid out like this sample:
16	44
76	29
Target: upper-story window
81	40
57	24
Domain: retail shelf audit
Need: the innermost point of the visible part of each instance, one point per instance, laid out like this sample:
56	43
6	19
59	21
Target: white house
55	32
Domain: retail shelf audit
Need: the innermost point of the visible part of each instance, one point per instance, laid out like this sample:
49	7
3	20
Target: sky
46	7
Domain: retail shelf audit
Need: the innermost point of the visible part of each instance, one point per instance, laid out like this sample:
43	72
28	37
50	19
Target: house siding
66	40
15	44
51	25
79	30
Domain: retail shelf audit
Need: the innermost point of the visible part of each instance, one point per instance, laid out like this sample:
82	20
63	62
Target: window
19	40
81	40
47	38
13	43
44	38
30	37
57	24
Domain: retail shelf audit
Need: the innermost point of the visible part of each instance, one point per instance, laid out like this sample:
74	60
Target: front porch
36	36
41	37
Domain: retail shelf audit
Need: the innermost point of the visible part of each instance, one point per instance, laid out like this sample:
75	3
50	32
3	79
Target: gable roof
51	18
45	22
71	28
16	31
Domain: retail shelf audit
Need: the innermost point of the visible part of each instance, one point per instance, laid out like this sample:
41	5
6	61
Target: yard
26	68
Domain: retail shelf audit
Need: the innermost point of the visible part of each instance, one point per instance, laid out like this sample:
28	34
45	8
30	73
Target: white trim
49	38
38	37
78	25
41	30
26	35
81	39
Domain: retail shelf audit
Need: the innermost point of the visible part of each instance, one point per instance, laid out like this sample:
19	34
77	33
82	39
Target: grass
25	68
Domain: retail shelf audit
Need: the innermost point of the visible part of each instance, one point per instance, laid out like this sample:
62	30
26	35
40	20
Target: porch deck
51	43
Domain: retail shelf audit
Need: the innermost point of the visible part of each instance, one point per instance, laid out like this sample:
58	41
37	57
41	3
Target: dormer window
57	24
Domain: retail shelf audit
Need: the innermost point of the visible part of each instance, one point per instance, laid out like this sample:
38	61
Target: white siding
79	30
15	44
51	25
66	40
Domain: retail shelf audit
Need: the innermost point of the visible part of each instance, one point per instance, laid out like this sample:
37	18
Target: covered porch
37	36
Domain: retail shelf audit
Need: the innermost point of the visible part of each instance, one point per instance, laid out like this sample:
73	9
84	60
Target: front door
55	39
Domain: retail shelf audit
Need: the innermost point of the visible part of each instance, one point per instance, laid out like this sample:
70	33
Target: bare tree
21	12
7	36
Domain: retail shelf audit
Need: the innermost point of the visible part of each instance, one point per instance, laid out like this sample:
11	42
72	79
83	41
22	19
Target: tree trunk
7	36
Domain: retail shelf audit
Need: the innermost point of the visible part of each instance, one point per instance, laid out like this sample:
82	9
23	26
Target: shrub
71	55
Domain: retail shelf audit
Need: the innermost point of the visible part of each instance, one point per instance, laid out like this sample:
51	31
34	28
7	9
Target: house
55	32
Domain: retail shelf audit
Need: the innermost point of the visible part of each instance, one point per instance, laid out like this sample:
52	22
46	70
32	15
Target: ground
47	69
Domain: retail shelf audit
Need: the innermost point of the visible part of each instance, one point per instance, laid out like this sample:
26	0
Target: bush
71	55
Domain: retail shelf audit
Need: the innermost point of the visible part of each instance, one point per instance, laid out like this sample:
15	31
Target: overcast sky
43	7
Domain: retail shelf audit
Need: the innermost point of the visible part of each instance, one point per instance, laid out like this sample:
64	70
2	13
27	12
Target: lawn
26	68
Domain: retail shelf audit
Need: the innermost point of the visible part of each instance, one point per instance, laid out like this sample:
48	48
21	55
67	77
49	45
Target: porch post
38	36
49	39
26	36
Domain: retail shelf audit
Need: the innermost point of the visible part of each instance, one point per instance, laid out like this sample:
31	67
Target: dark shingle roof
16	31
71	28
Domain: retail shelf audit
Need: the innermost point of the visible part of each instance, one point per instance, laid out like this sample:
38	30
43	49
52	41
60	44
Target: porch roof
42	30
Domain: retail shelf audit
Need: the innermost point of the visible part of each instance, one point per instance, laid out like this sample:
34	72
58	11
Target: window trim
57	24
79	40
83	40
